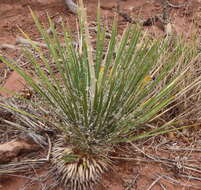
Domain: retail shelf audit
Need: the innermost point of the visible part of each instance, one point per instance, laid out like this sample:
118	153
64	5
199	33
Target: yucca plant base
76	171
101	98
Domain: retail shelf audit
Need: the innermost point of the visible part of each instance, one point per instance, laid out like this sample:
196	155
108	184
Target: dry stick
183	149
190	177
154	182
162	186
41	179
165	16
164	19
8	46
22	166
107	34
150	21
28	184
125	16
11	149
130	159
50	147
174	181
175	6
130	186
31	181
23	176
59	21
27	42
168	161
72	6
25	165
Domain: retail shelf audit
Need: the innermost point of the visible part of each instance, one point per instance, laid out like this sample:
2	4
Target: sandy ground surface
127	175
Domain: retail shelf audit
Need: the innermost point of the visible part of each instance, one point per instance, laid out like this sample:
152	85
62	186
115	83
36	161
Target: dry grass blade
23	166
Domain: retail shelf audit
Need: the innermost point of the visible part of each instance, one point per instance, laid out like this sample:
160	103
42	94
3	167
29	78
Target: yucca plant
102	96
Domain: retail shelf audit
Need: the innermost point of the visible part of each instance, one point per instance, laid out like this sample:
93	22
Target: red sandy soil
14	14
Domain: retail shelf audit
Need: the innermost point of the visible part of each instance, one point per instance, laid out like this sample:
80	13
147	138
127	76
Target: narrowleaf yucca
103	94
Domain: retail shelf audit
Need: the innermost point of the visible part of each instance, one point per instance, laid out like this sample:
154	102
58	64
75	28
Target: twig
169	162
26	177
27	42
107	34
162	186
184	149
190	177
129	159
8	46
154	182
130	186
11	149
175	6
50	147
174	181
72	6
27	164
150	21
59	21
125	16
22	166
165	15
